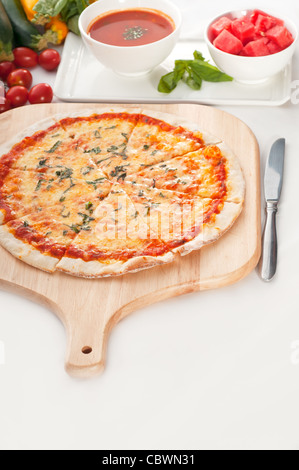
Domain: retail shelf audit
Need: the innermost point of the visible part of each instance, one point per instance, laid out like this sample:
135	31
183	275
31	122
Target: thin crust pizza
115	191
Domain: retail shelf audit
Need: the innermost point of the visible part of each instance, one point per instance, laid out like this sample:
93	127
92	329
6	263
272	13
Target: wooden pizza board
89	309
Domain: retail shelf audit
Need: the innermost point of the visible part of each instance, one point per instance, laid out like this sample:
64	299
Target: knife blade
272	187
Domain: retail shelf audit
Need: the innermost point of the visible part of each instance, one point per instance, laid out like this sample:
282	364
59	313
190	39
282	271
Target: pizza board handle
88	327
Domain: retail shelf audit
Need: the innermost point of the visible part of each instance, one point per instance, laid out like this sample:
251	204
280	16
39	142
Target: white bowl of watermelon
251	45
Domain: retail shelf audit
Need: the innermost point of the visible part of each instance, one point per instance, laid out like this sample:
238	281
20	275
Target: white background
211	370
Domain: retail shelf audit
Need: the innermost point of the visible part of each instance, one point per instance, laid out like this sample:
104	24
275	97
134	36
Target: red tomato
5	69
41	93
20	77
5	105
49	59
25	57
17	95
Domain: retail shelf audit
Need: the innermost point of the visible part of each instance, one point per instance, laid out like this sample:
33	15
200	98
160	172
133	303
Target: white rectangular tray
81	78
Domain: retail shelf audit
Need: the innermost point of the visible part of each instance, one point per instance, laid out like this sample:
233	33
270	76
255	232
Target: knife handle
268	262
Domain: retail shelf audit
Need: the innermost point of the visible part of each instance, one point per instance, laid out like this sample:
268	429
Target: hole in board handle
87	350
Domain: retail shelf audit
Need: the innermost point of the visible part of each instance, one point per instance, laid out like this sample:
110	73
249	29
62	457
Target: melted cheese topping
193	174
116	233
111	187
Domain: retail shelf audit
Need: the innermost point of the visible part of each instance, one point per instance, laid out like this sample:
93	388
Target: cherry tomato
5	69
25	57
49	59
4	105
17	95
41	93
20	77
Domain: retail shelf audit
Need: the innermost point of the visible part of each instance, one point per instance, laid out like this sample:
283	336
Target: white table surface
210	370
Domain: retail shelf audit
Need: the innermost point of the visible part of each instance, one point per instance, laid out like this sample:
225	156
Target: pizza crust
25	252
177	121
235	180
95	269
213	231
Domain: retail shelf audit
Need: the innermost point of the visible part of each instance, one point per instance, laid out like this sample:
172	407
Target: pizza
115	191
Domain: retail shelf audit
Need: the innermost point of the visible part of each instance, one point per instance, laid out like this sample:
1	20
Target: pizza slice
118	241
104	136
153	141
28	152
42	237
64	152
87	138
23	192
102	128
183	222
211	172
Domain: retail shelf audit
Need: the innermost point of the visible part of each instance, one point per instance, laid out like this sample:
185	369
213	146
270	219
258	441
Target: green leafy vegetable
193	73
42	162
50	7
39	184
55	147
95	150
119	169
74	227
73	24
69	10
96	182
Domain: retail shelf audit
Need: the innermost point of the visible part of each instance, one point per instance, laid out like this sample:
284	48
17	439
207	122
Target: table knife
272	186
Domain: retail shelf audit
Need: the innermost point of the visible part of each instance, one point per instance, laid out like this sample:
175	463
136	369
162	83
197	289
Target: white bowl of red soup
251	45
131	37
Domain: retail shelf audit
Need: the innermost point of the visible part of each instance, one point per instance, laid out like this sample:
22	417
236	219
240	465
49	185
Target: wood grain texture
90	308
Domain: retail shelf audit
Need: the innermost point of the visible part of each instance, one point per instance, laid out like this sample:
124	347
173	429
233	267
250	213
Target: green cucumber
6	36
25	33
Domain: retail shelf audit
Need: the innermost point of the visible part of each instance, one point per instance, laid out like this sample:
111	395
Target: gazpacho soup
132	27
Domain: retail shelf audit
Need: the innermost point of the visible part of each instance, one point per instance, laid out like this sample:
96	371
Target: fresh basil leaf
168	83
193	73
180	65
198	56
180	69
192	81
208	72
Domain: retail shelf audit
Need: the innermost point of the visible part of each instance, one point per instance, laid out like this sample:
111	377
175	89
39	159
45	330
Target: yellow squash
58	28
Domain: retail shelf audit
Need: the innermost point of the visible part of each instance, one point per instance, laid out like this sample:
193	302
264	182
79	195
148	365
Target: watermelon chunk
256	48
259	35
281	36
256	13
227	42
243	29
263	23
273	47
220	25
